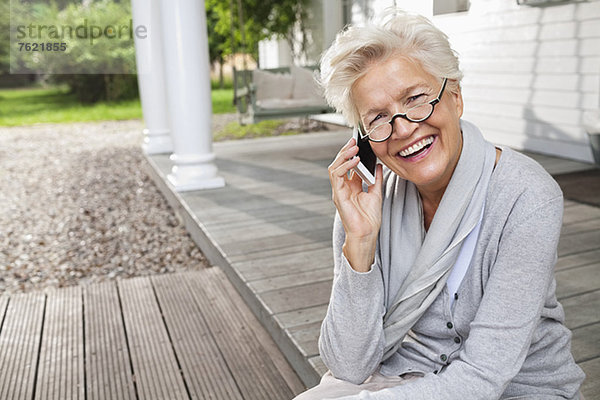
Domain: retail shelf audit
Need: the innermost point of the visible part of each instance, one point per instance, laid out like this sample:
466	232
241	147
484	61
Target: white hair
400	33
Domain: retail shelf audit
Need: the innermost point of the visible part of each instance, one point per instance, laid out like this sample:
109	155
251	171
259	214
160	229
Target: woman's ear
458	101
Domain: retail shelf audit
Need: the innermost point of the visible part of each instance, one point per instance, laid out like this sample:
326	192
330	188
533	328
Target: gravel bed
77	206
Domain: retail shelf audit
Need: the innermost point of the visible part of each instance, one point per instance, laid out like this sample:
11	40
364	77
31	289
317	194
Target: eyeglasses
418	113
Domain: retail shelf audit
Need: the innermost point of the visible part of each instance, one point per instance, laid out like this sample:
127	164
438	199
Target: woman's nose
403	128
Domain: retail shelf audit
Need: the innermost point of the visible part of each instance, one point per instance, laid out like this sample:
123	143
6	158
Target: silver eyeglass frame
432	103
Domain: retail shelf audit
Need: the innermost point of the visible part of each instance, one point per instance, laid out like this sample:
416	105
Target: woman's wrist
360	252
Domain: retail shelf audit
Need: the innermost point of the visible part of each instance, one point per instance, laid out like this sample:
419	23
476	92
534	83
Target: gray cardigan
504	335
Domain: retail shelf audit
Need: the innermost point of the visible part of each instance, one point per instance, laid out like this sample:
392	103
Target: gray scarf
421	260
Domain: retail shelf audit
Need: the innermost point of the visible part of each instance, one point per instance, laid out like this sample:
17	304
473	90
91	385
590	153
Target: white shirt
464	259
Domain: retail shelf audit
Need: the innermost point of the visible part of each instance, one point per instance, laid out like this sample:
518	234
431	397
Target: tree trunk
221	78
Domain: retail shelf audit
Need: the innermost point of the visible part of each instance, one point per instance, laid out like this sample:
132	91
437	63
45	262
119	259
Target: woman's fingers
348	151
339	176
376	188
343	162
342	170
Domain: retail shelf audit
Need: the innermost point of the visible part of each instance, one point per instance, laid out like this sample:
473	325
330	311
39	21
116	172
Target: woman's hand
359	211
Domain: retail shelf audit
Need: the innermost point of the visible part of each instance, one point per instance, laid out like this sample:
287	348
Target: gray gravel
77	206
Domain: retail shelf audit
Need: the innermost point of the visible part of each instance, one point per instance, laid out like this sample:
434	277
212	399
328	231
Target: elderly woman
443	284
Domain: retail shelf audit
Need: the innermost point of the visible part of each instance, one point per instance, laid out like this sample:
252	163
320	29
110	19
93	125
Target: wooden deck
269	229
180	336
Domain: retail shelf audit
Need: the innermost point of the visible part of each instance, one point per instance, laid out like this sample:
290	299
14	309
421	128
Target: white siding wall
365	10
274	53
530	72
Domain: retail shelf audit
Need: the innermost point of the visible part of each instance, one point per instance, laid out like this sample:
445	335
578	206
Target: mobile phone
368	160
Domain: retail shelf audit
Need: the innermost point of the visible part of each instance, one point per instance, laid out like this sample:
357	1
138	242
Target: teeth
417	146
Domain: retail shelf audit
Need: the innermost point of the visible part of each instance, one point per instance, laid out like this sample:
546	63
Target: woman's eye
377	118
412	99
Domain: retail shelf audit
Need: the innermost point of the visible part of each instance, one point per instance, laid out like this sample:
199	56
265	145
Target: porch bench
274	93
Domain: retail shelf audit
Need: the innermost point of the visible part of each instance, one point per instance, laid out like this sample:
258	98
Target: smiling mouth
417	148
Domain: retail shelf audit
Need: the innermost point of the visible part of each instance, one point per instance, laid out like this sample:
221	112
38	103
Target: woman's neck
431	202
431	198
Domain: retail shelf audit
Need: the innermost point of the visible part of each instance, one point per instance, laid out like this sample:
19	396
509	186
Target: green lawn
222	101
56	105
234	130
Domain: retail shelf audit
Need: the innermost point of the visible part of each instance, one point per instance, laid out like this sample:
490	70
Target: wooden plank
318	365
569	203
251	362
582	226
302	317
61	365
306	338
19	345
234	247
579	213
577	280
217	214
296	298
272	228
271	196
578	242
109	374
578	259
270	171
260	256
204	369
586	342
155	367
4	299
293	279
582	310
285	264
591	386
264	338
233	218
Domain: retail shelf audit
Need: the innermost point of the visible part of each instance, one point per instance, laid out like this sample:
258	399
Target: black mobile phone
368	160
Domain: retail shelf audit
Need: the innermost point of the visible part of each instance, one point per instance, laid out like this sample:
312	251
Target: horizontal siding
554	115
530	72
561	132
552	98
544	65
566	149
550	48
585	83
586	11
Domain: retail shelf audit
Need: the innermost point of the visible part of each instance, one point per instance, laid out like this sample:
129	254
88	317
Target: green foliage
234	130
4	36
98	37
262	19
98	61
217	41
89	88
227	84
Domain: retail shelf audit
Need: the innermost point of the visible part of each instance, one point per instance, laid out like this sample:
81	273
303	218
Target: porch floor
269	230
180	336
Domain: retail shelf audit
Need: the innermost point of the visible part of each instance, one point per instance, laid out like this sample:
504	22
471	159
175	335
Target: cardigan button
444	357
450	325
456	339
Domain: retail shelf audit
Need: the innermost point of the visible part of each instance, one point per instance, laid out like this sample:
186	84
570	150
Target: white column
185	45
333	21
151	76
